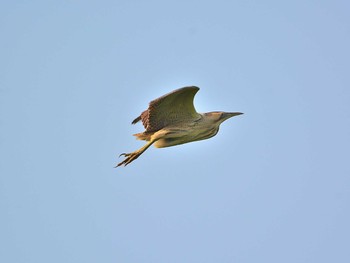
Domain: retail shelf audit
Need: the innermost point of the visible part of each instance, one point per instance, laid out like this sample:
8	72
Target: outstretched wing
171	108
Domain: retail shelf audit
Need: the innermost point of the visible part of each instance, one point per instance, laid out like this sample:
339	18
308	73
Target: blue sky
272	186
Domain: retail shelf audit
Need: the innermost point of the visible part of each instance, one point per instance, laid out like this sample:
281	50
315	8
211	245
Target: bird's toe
124	154
129	158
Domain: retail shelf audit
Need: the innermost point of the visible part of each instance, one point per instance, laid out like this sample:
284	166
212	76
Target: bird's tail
143	136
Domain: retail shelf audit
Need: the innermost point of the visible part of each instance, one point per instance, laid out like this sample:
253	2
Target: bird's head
220	116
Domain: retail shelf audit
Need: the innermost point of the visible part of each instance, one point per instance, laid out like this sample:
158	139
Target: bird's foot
129	158
124	154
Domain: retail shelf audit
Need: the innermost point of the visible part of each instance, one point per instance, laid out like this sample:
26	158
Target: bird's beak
227	115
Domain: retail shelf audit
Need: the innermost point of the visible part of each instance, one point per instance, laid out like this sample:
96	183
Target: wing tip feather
136	120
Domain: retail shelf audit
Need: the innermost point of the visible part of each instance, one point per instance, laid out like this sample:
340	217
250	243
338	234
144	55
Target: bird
173	120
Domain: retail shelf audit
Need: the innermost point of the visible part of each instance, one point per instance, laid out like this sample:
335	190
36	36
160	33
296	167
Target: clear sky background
272	186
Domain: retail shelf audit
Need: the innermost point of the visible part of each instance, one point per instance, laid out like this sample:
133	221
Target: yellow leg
134	155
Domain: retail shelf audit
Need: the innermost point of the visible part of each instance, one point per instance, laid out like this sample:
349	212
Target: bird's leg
134	155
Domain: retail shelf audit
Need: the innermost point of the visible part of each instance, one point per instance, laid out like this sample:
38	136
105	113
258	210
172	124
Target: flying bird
172	120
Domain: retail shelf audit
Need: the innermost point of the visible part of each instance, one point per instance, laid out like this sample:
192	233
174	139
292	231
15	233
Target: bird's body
172	120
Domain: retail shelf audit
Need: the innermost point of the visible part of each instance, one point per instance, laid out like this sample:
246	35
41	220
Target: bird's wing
171	108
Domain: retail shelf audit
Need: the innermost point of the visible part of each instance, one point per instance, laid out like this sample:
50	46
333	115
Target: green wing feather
174	107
